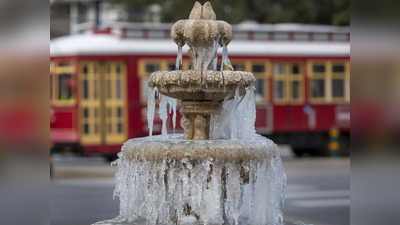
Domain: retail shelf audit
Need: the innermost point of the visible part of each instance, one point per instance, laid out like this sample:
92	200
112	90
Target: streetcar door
103	115
90	103
115	103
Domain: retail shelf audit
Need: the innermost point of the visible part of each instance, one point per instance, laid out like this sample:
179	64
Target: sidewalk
73	171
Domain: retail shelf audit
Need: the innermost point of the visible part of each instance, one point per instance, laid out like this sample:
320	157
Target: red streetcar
99	82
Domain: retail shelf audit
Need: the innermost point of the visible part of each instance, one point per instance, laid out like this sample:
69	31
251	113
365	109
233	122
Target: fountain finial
203	34
204	12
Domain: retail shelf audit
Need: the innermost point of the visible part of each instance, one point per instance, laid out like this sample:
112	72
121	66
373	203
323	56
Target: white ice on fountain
151	106
178	58
205	55
163	113
158	191
236	121
172	102
225	58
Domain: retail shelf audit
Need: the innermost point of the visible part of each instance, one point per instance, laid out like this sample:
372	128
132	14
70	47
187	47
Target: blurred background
102	53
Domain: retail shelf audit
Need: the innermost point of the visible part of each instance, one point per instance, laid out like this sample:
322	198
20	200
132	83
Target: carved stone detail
187	124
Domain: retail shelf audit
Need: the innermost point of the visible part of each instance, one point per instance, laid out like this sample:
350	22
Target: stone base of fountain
172	147
143	222
167	180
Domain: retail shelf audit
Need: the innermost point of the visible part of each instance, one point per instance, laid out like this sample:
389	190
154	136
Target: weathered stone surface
201	85
208	12
196	11
202	31
218	150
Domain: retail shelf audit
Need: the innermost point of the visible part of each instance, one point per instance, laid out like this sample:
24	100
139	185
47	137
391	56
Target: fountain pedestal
196	117
202	94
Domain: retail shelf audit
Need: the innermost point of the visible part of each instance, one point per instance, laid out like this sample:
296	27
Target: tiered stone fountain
220	171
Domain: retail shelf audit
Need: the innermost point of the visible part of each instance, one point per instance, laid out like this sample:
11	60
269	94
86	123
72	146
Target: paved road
318	191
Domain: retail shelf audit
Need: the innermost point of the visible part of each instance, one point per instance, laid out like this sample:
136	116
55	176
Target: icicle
178	58
225	58
162	111
215	61
234	121
234	187
172	102
151	105
249	128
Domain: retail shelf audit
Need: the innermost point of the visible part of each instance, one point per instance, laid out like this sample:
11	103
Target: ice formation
204	192
225	58
151	106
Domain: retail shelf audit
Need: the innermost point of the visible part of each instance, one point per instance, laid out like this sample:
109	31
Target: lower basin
165	180
143	222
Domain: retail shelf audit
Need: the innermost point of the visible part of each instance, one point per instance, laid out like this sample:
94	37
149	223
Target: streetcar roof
105	44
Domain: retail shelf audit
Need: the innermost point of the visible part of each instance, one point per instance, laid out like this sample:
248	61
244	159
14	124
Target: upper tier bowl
195	85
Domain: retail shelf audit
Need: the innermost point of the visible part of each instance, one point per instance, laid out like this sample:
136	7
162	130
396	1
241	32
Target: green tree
330	12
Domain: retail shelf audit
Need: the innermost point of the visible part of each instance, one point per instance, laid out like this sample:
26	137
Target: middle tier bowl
207	85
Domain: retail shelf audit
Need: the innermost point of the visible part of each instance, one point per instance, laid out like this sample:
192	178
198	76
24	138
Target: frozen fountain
219	171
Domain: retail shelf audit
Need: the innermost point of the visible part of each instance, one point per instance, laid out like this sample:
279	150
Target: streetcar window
65	86
86	128
118	69
319	68
338	69
152	68
258	68
287	83
119	112
173	67
239	67
296	90
119	90
64	64
86	113
260	90
119	128
279	89
295	69
279	69
318	88
337	88
109	89
85	70
329	82
85	89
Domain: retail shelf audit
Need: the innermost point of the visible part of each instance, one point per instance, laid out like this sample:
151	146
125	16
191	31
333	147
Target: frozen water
237	118
163	113
151	105
178	58
172	102
160	192
204	56
225	58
